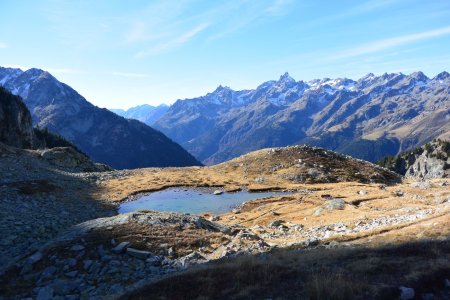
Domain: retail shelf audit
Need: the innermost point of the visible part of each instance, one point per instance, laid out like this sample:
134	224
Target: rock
276	223
421	184
259	179
87	264
121	248
170	252
34	258
318	211
190	259
248	236
447	283
406	293
115	289
72	274
427	296
77	248
335	204
399	193
140	254
362	192
64	287
154	260
49	272
214	218
45	293
218	192
298	227
333	244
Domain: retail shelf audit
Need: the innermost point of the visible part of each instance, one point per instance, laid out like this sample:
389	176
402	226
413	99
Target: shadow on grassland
337	273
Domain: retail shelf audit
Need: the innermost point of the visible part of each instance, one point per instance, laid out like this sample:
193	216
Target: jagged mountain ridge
104	136
145	113
368	118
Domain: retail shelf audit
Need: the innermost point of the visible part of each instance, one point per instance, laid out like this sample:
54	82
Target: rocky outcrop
15	121
432	160
69	159
306	164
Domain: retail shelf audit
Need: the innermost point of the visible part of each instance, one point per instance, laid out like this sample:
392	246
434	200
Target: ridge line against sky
120	54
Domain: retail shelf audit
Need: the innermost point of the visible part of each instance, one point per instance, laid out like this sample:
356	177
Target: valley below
347	229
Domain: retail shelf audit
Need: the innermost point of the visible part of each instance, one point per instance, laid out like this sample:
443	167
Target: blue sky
122	53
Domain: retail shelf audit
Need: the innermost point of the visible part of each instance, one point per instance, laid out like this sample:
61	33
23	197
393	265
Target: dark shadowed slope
104	136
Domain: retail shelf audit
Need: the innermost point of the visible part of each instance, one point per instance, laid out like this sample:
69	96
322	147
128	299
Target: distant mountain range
104	136
369	118
145	113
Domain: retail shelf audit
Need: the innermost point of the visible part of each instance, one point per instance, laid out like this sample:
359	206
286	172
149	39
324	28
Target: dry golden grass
340	273
378	199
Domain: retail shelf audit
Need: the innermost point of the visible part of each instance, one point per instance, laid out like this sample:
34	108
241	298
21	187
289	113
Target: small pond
195	201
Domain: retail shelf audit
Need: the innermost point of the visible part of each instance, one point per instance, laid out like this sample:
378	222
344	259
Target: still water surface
193	201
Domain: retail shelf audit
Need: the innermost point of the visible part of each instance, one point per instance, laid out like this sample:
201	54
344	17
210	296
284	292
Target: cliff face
15	121
431	160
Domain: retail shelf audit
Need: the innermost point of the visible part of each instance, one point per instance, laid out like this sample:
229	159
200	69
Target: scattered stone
259	179
214	218
447	283
190	259
34	258
141	254
362	192
154	260
63	287
218	192
45	293
49	272
333	244
406	293
427	296
318	211
421	184
121	248
72	274
87	264
335	204
399	193
276	223
77	248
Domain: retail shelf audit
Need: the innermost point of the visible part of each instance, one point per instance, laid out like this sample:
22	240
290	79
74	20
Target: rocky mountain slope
104	136
16	127
15	121
431	160
369	118
147	114
353	230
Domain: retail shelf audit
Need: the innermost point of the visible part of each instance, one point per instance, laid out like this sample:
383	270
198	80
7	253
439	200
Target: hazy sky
122	53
